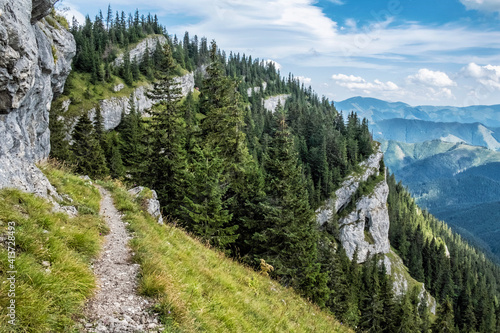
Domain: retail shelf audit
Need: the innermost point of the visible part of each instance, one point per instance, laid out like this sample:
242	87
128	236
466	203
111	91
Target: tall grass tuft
53	254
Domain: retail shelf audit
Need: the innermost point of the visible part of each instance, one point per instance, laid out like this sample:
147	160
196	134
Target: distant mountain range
376	110
456	182
475	125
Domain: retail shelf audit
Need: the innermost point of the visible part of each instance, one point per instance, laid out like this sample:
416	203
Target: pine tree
88	155
444	322
290	236
59	146
167	134
205	209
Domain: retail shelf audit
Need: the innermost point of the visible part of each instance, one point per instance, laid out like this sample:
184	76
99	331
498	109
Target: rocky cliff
364	223
113	108
272	102
35	60
139	50
366	226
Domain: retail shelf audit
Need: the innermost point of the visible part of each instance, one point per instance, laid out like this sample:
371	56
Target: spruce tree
132	149
88	155
444	322
167	168
223	125
289	238
205	210
59	146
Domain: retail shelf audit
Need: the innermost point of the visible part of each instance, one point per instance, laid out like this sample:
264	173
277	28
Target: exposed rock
70	210
112	109
186	83
250	91
349	186
140	49
40	9
402	280
118	87
271	103
152	204
366	228
35	60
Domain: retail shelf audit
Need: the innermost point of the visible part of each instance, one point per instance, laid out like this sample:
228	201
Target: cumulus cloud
431	78
305	80
354	83
347	78
276	65
482	5
488	75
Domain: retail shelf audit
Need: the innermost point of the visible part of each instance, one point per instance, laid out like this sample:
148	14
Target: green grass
80	101
49	301
198	289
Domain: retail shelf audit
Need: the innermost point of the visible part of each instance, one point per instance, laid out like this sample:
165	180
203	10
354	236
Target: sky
421	52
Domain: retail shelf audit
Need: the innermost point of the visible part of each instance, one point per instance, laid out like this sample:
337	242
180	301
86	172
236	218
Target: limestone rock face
35	60
349	187
366	227
140	49
113	108
271	103
254	90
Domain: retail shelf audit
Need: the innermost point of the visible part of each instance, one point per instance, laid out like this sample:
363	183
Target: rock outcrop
139	50
113	108
272	102
152	204
35	60
366	227
253	90
349	186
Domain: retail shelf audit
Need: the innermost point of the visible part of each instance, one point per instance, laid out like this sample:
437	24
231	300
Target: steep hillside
195	288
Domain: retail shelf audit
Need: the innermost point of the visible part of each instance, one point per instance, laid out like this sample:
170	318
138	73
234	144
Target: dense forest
247	180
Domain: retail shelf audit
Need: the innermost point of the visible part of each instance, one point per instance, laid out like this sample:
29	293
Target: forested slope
247	180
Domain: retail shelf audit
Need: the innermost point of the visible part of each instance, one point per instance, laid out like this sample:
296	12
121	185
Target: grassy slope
200	290
48	301
197	288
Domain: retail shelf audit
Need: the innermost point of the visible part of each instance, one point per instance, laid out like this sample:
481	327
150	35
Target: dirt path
116	307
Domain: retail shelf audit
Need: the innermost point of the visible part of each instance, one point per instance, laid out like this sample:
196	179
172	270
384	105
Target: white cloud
337	2
299	31
488	76
69	10
305	80
347	78
482	5
431	78
357	83
276	65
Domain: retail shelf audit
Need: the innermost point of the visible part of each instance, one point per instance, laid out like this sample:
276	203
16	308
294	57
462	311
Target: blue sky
444	52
